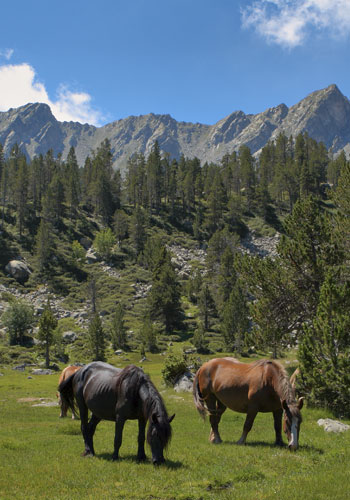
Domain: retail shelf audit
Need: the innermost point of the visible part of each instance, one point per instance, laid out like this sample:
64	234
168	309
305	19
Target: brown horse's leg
216	409
141	455
277	418
119	425
247	426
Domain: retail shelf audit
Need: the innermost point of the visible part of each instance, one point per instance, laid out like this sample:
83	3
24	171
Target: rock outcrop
324	114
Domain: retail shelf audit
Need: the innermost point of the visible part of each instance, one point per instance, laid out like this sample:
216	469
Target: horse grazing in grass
119	395
247	388
67	372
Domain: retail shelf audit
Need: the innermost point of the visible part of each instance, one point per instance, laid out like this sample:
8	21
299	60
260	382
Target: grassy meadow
40	453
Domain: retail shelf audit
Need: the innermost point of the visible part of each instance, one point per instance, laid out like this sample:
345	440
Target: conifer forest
107	248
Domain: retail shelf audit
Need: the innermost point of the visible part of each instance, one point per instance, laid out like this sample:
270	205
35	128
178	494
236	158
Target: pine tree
324	353
137	229
73	188
21	193
47	325
96	338
235	320
118	329
164	298
18	319
148	335
206	306
44	245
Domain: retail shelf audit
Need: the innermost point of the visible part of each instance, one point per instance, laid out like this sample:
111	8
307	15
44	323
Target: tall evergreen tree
118	329
164	297
47	325
235	320
324	353
96	336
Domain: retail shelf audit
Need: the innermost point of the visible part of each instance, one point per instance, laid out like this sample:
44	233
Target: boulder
184	383
85	242
69	336
42	371
330	425
18	270
91	256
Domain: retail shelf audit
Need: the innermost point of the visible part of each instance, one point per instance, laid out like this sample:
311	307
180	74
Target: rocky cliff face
324	114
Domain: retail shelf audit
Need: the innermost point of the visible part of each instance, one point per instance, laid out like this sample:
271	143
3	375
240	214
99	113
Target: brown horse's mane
281	381
138	384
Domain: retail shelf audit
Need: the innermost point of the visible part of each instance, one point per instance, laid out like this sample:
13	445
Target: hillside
324	115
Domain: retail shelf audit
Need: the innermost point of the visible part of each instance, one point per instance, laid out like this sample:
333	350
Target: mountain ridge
323	114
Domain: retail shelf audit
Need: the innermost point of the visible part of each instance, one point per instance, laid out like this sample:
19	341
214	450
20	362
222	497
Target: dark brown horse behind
262	386
66	373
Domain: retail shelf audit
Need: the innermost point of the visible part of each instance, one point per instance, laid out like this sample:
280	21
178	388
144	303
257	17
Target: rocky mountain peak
324	114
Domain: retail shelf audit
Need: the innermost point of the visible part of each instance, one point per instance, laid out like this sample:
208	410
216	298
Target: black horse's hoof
279	443
87	454
141	459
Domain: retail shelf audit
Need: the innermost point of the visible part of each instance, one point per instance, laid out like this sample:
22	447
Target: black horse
118	395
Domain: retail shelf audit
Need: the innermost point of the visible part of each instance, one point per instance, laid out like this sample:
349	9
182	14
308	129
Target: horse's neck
283	387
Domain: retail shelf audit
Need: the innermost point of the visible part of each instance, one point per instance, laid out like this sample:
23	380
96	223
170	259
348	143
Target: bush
175	365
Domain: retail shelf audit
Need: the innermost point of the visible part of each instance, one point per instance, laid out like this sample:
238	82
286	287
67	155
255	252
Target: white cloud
288	22
6	53
19	86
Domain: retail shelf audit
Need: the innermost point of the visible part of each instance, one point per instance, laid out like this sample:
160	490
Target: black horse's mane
136	384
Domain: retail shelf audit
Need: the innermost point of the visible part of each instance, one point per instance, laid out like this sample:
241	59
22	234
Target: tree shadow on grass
169	464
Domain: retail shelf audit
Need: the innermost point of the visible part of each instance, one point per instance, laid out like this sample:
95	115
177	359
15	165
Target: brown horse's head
291	422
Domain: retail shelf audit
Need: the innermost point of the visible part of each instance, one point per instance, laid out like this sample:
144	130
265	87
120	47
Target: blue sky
198	60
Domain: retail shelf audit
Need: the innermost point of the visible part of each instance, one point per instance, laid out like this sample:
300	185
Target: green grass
40	454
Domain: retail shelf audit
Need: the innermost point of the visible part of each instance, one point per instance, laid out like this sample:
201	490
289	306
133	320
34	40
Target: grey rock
85	242
330	425
184	383
42	371
324	114
69	336
18	270
20	368
91	256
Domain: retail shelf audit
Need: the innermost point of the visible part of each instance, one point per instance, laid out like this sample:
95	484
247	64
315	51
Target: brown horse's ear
285	405
300	403
171	418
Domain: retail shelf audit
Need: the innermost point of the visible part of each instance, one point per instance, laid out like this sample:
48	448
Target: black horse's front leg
119	425
141	455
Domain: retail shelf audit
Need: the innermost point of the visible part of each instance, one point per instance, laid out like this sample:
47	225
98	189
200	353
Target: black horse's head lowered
118	395
137	387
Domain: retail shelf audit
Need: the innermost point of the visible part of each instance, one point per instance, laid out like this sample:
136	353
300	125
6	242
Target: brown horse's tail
198	398
67	395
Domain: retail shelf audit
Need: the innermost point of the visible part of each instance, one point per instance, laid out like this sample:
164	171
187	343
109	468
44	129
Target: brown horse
247	388
66	373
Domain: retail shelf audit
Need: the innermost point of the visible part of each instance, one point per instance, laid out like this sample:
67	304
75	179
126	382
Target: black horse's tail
67	395
198	398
